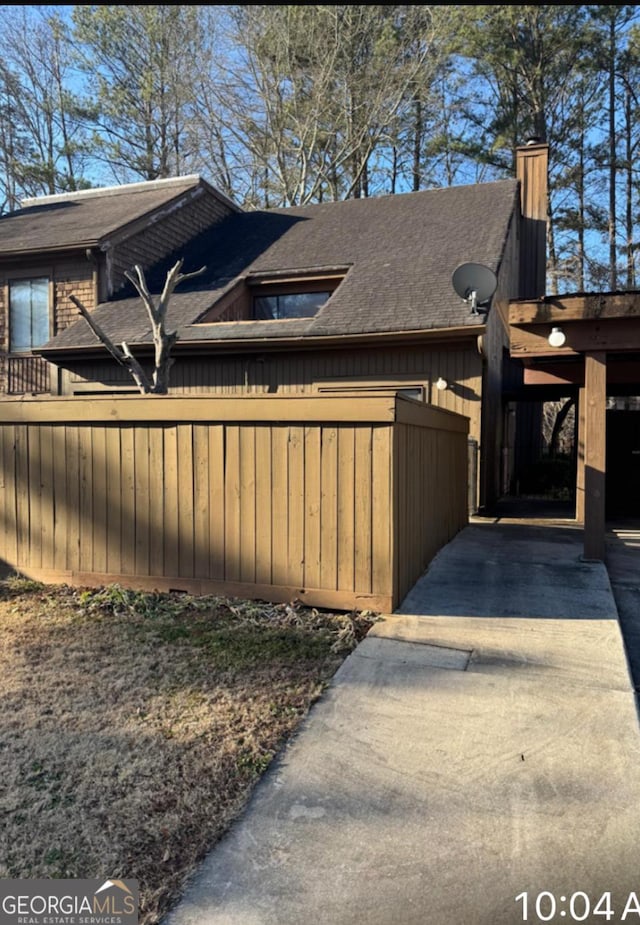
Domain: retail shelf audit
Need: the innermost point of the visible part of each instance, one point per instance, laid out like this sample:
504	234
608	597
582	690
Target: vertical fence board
11	487
382	511
280	504
5	497
170	495
22	496
113	463
247	449
312	501
99	500
47	496
86	498
362	509
60	503
141	469
329	509
201	500
156	501
216	501
232	505
185	501
346	507
263	505
296	513
33	503
128	502
399	522
72	496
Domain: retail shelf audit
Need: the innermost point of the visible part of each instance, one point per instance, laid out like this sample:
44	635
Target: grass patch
134	726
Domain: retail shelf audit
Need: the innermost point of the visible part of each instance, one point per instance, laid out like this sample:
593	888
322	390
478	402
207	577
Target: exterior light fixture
557	337
442	384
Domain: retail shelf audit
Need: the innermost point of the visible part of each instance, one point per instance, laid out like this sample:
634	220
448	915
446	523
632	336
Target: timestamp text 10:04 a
577	907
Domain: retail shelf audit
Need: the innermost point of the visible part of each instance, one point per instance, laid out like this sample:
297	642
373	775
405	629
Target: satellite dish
474	283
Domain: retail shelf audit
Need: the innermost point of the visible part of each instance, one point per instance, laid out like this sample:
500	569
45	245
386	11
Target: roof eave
52	249
304	341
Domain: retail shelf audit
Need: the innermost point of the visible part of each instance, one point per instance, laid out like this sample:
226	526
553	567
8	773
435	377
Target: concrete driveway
623	566
480	744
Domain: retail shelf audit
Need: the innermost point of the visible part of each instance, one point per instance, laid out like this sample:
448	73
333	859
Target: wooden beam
595	454
556	374
582	307
612	335
619	372
582	404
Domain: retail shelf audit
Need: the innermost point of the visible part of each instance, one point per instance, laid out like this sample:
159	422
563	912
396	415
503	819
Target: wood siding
169	230
531	170
338	502
310	372
24	374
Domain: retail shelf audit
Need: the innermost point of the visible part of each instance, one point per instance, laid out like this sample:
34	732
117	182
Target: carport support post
595	394
582	404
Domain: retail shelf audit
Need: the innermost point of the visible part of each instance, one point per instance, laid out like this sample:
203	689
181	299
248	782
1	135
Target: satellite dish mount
475	284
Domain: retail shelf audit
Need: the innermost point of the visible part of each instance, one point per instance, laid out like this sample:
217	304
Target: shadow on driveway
623	566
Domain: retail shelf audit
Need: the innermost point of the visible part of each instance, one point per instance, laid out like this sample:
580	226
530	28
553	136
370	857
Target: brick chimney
532	162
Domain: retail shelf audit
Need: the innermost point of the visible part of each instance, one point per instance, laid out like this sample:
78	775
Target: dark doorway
623	464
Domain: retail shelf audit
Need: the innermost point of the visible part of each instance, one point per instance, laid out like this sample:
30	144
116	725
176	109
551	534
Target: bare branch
174	278
163	341
121	354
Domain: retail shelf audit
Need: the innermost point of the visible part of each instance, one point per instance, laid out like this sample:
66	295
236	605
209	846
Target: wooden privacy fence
338	502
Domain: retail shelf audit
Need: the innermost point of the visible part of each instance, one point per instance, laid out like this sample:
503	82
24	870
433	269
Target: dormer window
288	305
299	296
277	296
29	325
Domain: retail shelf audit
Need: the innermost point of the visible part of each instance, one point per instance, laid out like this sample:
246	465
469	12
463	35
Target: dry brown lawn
134	726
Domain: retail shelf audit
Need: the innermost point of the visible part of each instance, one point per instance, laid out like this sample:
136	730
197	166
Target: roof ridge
96	191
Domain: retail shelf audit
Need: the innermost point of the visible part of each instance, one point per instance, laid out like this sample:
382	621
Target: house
82	244
353	296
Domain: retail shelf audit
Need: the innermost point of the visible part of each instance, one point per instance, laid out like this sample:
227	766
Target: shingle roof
84	218
401	252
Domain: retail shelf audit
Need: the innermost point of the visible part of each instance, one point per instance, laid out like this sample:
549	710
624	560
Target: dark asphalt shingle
401	252
85	218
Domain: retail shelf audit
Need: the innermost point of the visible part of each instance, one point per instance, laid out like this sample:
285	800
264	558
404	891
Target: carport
589	342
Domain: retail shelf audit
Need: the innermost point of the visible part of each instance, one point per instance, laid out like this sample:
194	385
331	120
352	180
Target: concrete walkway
480	743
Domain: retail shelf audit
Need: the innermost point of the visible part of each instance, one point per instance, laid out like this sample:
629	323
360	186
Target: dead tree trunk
163	340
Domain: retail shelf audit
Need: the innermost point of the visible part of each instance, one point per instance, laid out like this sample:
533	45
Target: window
288	305
28	314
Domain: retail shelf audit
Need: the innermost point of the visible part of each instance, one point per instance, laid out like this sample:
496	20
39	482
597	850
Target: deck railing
28	375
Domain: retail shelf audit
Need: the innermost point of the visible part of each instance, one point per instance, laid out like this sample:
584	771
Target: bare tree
316	93
141	64
43	144
163	340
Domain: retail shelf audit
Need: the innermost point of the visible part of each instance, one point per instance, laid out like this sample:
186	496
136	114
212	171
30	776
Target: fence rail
338	502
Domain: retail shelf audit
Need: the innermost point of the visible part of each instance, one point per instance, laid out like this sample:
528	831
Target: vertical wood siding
339	502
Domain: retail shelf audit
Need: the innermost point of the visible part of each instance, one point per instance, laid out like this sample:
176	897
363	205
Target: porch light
557	337
442	384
